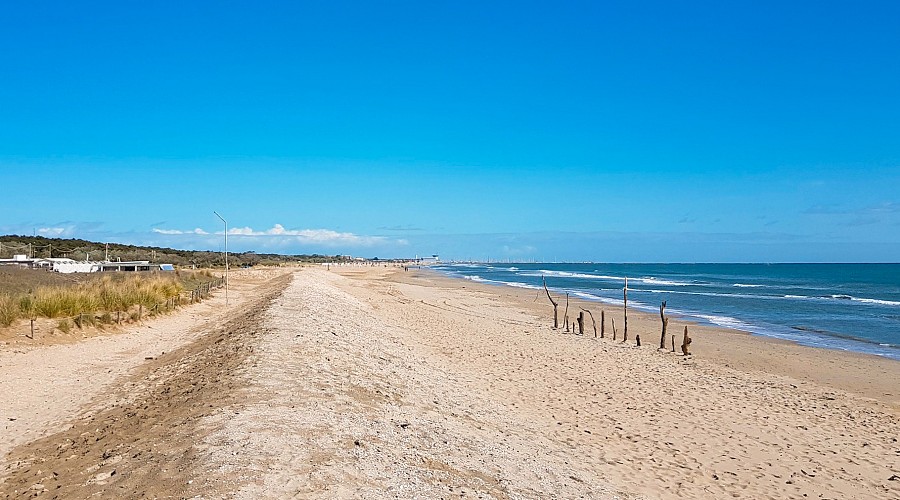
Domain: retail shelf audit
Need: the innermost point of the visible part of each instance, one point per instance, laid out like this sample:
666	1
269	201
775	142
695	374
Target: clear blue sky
635	131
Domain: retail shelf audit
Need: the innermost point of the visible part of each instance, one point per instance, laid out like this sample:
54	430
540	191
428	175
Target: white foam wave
876	301
726	321
846	298
744	285
566	274
650	280
520	285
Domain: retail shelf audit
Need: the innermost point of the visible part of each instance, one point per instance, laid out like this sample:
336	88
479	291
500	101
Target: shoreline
864	374
809	328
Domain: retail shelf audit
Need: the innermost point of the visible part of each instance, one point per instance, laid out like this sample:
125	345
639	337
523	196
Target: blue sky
634	131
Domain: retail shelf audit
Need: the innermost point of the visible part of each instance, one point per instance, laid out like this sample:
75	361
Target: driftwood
555	304
614	328
593	323
625	310
602	323
665	323
566	313
686	343
581	323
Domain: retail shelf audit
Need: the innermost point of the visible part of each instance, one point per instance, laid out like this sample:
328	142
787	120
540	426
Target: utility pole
226	255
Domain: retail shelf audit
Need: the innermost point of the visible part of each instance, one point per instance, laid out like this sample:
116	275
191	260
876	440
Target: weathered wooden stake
625	310
581	323
685	345
593	323
566	313
673	343
32	329
602	323
614	328
140	311
555	304
665	323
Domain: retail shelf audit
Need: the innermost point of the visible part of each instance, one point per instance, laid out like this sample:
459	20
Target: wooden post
566	313
602	323
32	329
686	343
614	328
581	323
140	311
593	323
118	317
673	343
625	310
665	323
555	305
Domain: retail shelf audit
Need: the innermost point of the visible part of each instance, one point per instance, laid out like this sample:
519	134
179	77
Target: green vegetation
83	301
80	249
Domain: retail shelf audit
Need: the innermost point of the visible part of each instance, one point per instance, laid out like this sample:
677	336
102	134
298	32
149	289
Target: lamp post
226	255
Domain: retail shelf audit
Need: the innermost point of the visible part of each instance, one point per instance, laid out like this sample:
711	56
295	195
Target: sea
849	307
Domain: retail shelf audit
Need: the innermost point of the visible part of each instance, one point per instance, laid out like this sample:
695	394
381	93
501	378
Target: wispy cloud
883	208
178	231
400	228
279	234
53	231
311	236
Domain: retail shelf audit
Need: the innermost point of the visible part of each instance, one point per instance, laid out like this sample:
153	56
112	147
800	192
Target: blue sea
851	307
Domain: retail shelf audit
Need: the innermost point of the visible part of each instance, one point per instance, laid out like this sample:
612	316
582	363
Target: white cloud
53	231
278	234
316	236
178	231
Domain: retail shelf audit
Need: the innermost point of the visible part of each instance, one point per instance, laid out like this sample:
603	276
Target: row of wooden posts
686	339
198	294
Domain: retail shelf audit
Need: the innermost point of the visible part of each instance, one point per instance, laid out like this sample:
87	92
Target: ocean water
851	307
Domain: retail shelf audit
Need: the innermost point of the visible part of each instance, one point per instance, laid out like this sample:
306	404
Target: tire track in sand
140	442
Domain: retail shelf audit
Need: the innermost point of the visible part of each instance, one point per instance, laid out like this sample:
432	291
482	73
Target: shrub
9	310
64	325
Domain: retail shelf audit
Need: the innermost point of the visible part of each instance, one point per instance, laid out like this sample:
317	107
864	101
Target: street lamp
226	255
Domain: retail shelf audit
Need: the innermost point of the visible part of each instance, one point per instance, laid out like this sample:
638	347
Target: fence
201	292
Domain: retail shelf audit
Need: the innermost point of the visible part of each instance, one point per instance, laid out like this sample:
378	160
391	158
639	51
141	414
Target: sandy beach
372	382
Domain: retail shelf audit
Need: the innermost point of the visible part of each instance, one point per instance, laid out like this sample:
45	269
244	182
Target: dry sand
376	383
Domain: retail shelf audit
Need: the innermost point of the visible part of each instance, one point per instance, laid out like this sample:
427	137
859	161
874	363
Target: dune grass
105	295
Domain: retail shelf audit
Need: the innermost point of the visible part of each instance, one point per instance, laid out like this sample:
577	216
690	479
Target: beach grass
104	296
